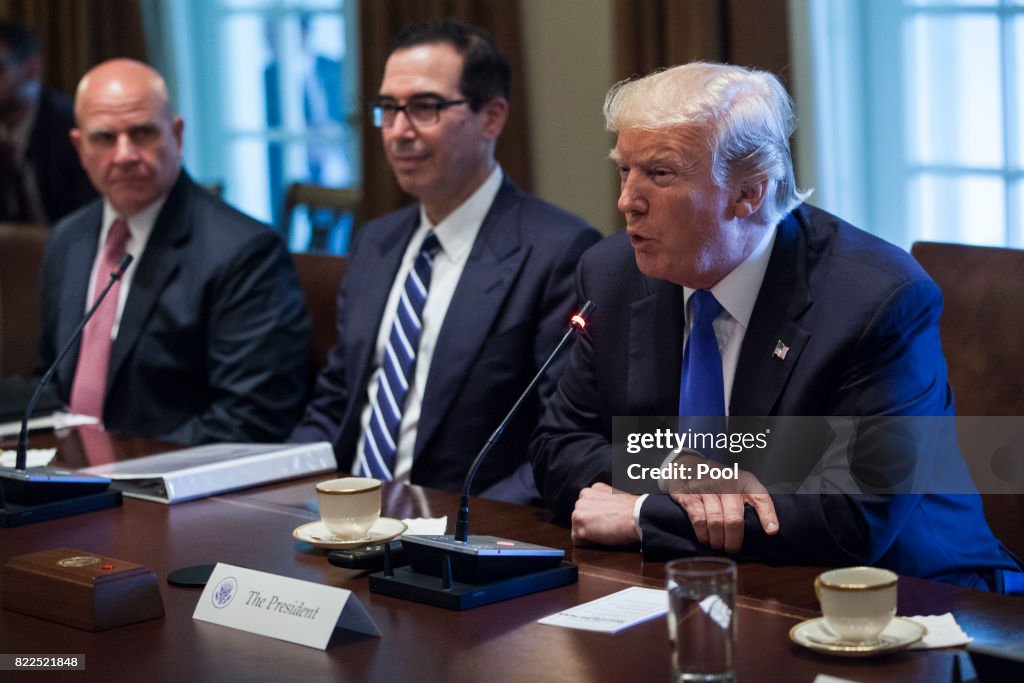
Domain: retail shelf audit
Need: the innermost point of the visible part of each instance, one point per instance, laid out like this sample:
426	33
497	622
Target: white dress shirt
456	233
140	227
737	293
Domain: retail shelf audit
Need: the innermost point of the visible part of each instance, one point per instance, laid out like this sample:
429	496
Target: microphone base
408	584
14	514
43	493
478	559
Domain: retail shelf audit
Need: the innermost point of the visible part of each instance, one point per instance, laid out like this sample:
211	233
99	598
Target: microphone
478	570
577	323
23	486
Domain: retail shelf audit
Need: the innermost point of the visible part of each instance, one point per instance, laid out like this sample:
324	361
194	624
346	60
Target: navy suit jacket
510	308
62	182
214	339
860	318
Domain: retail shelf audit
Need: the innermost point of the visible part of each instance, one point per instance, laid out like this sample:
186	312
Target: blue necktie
398	367
701	388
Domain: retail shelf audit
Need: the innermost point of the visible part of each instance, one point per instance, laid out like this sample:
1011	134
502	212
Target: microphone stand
578	323
31	495
479	570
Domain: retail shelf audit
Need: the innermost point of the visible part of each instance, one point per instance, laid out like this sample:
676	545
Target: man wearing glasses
450	305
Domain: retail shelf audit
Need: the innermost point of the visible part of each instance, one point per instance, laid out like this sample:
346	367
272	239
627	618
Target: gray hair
746	117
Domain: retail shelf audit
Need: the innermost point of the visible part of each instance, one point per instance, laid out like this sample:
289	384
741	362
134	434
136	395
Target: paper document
215	468
614	612
54	421
35	457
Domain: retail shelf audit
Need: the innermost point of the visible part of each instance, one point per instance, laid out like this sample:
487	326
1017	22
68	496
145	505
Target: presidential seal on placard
225	591
78	561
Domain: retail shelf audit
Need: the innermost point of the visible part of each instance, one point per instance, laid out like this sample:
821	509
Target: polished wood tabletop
498	642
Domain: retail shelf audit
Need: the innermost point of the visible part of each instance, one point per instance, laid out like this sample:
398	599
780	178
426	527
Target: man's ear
750	198
76	139
495	115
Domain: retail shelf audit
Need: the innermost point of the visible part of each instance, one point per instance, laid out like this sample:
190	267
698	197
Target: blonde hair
745	115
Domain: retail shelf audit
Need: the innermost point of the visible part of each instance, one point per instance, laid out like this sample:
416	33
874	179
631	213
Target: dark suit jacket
213	343
510	308
861	320
62	182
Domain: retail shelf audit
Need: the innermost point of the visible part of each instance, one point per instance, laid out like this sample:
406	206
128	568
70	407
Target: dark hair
19	40
485	71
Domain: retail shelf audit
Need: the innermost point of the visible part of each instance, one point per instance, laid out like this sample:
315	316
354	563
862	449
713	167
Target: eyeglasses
422	112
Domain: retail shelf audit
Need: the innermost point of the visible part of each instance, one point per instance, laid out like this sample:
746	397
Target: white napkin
943	631
37	457
426	526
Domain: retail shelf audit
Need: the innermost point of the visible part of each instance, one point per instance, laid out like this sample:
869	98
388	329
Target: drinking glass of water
702	618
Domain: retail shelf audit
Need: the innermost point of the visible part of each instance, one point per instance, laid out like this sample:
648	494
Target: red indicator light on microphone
579	321
108	566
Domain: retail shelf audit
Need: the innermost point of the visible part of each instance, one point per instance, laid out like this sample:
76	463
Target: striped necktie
701	387
397	368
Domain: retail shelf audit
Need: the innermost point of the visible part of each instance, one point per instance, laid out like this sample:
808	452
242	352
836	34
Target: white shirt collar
456	240
737	292
140	224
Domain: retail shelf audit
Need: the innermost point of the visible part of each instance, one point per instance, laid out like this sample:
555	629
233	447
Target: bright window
931	94
269	94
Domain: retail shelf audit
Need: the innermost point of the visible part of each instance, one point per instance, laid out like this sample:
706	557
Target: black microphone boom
578	322
22	486
478	570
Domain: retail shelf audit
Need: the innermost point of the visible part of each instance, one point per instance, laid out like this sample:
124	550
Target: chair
982	329
982	324
320	276
329	213
21	258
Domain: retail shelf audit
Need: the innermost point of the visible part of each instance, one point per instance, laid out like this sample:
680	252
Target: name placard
279	607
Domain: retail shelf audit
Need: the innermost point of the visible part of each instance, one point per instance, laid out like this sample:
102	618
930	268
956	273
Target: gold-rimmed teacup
857	602
349	506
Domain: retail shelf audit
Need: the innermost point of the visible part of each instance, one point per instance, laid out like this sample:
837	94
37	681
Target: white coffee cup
857	602
349	506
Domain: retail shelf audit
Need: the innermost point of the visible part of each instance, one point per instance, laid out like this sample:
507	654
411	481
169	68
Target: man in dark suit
414	397
41	179
809	316
206	337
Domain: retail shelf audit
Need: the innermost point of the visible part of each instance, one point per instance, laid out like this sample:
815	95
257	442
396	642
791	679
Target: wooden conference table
499	642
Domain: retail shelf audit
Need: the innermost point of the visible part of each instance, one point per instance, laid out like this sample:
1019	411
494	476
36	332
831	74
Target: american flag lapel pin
780	350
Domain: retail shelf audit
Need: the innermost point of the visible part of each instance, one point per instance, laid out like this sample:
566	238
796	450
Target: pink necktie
90	382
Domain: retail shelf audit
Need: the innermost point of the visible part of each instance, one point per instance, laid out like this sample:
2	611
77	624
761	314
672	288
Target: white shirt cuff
636	515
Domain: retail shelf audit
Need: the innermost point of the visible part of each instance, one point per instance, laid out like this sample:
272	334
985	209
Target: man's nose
125	150
631	199
403	126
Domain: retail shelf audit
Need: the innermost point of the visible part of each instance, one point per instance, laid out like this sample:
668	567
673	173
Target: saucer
900	633
316	533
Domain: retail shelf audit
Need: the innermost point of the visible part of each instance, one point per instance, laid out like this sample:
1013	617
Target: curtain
75	35
379	22
661	33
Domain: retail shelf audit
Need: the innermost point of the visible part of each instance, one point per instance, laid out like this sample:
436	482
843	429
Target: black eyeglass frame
425	105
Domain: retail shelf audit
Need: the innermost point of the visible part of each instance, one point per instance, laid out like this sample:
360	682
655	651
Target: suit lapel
775	339
160	261
381	257
81	252
493	264
655	350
